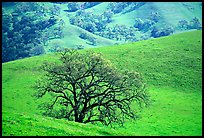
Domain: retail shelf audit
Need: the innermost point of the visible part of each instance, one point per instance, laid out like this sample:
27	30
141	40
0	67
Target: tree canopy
85	88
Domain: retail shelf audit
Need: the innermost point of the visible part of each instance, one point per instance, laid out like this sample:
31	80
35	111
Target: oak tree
85	88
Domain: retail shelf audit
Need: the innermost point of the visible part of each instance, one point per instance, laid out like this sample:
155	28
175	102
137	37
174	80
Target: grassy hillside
173	61
72	33
170	12
170	65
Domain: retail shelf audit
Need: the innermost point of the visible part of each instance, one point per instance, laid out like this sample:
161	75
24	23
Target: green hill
170	12
171	66
90	25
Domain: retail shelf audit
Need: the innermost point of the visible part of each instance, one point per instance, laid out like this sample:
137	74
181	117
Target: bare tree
87	88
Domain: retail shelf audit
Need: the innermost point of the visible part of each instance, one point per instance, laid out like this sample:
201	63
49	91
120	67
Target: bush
154	16
182	25
118	7
195	24
73	6
167	30
83	36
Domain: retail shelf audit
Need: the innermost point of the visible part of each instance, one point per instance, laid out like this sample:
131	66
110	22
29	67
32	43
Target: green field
171	66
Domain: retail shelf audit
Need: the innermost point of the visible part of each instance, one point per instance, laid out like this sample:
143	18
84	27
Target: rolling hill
172	69
170	13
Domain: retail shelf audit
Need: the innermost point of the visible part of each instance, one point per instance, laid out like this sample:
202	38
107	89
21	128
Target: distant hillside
44	27
172	69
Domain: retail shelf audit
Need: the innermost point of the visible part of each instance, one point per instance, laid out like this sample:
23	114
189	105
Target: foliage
84	36
97	24
19	39
155	16
133	6
23	31
183	25
120	32
165	31
124	7
87	88
90	4
88	37
182	75
74	6
118	7
192	24
143	24
195	24
174	61
91	22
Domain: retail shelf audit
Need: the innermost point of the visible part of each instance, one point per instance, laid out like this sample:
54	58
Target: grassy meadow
171	67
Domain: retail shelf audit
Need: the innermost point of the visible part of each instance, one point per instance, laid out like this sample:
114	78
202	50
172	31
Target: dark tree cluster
159	32
86	88
18	37
120	33
117	7
75	6
148	23
192	24
91	22
23	33
91	39
154	16
133	6
143	25
55	10
24	7
90	4
38	8
150	27
97	24
124	7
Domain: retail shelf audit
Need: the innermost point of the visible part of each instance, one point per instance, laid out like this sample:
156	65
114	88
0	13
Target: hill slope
82	25
170	65
173	61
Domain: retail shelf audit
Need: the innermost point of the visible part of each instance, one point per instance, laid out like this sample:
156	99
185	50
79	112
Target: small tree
182	25
87	88
154	16
195	24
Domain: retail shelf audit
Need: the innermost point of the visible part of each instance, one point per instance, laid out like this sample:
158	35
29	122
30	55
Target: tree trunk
76	115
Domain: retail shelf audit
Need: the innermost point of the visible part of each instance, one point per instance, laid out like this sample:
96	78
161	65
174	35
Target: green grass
170	12
169	61
22	124
72	33
171	66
